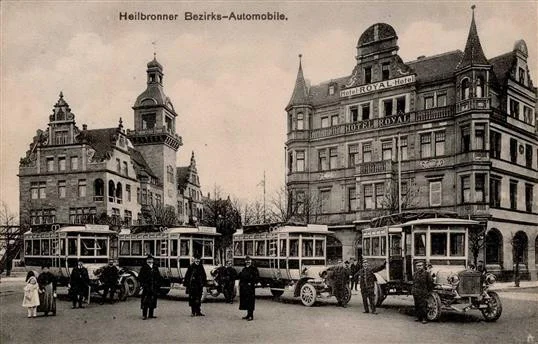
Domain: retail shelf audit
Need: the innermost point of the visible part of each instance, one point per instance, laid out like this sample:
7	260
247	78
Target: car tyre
433	312
308	294
495	307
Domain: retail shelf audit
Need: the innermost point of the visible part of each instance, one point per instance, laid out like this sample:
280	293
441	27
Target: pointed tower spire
300	92
473	54
193	161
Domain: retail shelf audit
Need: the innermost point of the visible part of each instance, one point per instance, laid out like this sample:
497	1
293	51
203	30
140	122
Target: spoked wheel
131	285
346	296
433	312
308	294
379	296
495	308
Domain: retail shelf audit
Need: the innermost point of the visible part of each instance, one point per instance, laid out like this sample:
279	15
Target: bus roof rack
403	217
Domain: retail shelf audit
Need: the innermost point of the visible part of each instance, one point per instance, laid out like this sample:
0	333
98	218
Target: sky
229	81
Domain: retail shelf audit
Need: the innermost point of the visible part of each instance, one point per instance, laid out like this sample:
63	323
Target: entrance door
395	257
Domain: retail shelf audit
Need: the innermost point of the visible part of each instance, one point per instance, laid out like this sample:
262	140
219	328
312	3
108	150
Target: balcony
473	156
298	135
155	132
384	122
374	167
473	104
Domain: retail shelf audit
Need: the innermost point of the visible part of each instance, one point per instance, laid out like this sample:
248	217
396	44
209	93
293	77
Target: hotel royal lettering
377	86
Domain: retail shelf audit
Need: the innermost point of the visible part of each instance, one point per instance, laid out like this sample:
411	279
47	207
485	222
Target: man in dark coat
338	279
367	281
228	281
248	277
422	286
354	269
47	288
150	282
109	277
195	281
79	284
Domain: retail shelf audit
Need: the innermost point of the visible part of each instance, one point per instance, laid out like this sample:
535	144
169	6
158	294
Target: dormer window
521	73
331	90
367	75
385	73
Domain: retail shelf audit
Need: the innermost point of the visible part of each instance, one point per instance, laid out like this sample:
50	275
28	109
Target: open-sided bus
442	242
173	250
289	258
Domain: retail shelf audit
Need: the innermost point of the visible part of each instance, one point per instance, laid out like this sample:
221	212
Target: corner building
465	129
112	175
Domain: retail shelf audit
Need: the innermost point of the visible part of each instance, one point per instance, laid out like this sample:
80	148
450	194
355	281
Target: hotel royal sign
378	86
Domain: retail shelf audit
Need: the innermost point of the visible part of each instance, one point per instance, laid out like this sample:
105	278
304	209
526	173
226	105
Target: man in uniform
248	277
79	283
339	281
367	281
195	281
422	286
228	282
150	282
354	269
109	277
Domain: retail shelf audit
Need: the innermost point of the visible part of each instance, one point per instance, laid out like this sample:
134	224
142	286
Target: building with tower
190	206
112	175
454	132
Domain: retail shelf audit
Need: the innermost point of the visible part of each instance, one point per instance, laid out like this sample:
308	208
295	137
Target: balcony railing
154	131
473	104
375	167
473	156
383	122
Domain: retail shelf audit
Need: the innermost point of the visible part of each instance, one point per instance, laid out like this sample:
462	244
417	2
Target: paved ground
283	321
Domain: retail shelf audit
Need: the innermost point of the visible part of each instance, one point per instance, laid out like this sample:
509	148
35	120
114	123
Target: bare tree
255	213
163	215
10	237
477	241
391	197
298	206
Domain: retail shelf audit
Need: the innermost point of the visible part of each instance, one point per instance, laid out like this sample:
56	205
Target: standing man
79	284
248	277
150	281
195	281
47	291
354	269
109	277
422	286
367	281
228	282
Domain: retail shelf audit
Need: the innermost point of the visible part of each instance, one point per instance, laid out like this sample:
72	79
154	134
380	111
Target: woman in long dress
47	291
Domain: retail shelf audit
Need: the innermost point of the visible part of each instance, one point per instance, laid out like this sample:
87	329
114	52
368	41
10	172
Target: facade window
403	148
465	89
334	120
495	145
513	194
128	192
82	188
148	121
494	192
42	216
441	100
353	153
529	196
38	190
333	158
50	164
354	113
125	169
480	136
352	199
42	190
425	145
331	90
466	189
514	108
379	194
367	152
527	115
368	196
158	200
128	218
98	190
466	139
386	148
387	107
324	122
170	174
428	102
435	193
61	189
400	105
439	143
82	215
521	75
299	202
61	163
367	75
322	160
385	72
300	121
480	187
74	163
118	165
61	137
290	122
528	156
365	111
513	151
479	87
116	218
290	162
111	191
325	197
300	161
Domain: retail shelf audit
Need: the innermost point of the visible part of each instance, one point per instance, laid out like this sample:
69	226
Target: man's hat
365	260
419	263
149	257
196	256
247	258
346	262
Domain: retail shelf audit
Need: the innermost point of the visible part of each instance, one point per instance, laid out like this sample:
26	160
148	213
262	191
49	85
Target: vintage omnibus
289	257
173	250
437	239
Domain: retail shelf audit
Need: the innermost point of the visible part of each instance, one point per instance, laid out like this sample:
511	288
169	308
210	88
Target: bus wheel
433	312
379	296
346	296
132	287
308	294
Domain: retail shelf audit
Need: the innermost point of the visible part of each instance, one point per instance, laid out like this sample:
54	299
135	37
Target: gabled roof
319	94
436	67
473	53
102	141
300	91
139	163
182	174
502	65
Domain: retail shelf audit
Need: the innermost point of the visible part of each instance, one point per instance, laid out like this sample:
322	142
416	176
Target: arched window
111	191
520	244
119	192
479	87
494	247
98	190
465	89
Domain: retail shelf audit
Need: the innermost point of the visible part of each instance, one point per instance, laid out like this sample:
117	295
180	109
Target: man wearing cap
109	277
195	281
367	281
150	282
422	286
228	281
79	282
248	277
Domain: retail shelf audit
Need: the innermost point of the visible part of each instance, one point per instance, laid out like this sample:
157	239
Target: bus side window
136	248
319	248
28	247
294	247
125	248
208	249
72	246
173	251
366	247
283	250
420	244
308	249
238	248
184	247
35	247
